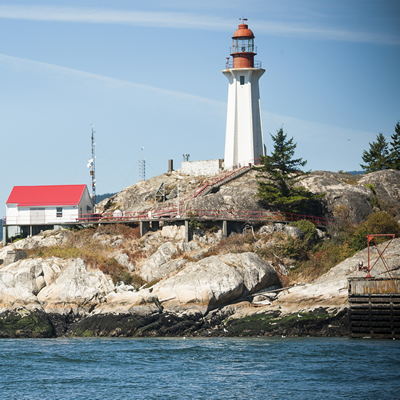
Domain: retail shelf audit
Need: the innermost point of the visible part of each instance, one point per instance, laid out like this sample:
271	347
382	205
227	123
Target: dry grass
127	232
95	253
240	243
350	181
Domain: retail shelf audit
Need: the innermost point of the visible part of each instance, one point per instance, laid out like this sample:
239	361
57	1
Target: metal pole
93	170
178	216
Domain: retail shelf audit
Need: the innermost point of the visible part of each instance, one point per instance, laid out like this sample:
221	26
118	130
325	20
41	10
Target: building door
37	216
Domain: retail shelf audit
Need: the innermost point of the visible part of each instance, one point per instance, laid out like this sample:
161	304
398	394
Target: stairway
217	181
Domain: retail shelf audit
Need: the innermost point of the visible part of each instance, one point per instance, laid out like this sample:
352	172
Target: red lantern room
243	47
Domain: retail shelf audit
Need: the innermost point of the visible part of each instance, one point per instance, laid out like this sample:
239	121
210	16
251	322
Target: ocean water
192	368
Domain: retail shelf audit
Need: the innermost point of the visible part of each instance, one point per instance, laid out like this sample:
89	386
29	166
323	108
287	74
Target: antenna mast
142	168
92	166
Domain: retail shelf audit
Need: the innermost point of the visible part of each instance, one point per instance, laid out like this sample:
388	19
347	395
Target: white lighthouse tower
244	137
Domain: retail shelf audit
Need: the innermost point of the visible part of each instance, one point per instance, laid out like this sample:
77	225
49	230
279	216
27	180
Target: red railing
229	64
175	213
211	182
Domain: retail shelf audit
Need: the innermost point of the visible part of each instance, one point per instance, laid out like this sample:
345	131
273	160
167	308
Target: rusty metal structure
375	302
368	268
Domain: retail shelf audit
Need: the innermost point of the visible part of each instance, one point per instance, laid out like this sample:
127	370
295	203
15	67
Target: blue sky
148	74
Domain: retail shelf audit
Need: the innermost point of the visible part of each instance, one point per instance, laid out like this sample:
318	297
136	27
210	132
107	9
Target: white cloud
22	64
186	21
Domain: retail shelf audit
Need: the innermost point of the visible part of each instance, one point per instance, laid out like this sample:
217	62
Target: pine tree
377	158
395	148
279	190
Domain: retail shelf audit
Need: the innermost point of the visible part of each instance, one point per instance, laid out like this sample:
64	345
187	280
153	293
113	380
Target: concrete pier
144	227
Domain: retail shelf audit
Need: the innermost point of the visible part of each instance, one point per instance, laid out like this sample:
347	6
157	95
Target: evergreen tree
395	148
377	158
283	172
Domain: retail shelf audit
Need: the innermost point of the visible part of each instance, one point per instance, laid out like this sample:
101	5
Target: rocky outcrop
140	197
25	321
173	232
14	255
319	308
386	183
356	198
122	258
158	264
73	300
43	239
292	231
191	294
352	192
227	295
239	194
20	282
75	289
216	281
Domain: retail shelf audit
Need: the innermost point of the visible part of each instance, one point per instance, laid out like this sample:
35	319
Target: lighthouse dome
243	31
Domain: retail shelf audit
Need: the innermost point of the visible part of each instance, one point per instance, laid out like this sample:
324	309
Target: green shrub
137	280
359	240
382	222
307	227
371	186
194	224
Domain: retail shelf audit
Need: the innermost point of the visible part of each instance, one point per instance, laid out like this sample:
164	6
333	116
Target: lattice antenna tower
92	167
142	168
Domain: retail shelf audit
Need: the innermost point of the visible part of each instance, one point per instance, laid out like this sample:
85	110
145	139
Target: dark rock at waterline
111	325
318	322
23	323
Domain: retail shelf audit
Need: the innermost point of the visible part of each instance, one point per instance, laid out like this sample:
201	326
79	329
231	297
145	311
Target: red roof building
47	205
52	195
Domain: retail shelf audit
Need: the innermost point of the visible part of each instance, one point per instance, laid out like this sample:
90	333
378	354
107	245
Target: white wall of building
85	205
201	168
244	136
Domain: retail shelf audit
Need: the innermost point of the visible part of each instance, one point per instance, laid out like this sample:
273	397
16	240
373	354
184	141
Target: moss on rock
22	323
316	323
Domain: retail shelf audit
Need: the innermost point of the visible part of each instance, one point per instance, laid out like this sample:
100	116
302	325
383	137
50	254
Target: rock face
15	255
157	265
66	298
193	295
44	239
21	282
54	297
75	289
330	289
216	281
289	230
387	185
239	194
350	190
356	198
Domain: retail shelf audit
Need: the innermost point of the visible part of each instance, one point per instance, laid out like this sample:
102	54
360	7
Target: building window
242	80
59	212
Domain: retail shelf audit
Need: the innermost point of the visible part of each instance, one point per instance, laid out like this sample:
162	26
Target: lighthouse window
241	79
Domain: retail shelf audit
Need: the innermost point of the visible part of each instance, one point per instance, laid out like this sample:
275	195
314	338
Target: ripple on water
174	368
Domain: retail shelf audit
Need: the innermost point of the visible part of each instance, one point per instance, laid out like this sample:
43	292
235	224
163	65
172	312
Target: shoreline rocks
187	293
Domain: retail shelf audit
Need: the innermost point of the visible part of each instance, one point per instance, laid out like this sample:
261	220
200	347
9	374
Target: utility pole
92	166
